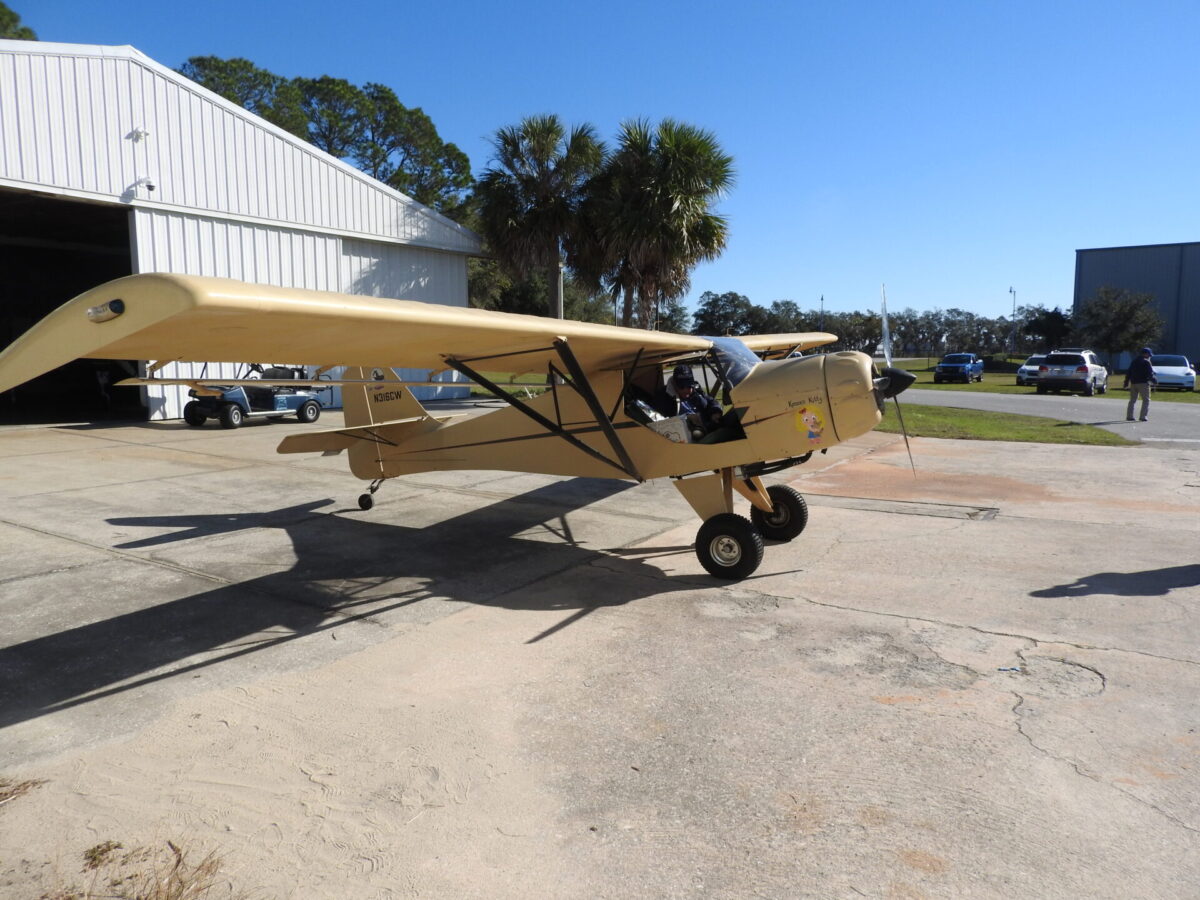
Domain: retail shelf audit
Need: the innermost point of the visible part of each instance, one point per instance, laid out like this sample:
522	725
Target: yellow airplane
596	418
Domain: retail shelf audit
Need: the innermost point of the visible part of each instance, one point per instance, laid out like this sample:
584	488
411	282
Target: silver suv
1074	370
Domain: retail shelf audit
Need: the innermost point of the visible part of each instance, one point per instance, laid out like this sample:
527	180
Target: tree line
1111	321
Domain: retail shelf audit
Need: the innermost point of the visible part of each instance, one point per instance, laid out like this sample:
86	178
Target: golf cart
231	404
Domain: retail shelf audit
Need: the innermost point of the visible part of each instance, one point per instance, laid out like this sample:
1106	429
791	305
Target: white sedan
1174	372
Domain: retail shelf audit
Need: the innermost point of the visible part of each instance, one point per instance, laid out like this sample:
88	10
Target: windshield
1180	361
1035	360
735	359
957	358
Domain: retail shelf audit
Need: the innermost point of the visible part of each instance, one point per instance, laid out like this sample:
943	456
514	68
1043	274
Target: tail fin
381	399
379	413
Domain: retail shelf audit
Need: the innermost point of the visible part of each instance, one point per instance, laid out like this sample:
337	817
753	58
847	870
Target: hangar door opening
52	249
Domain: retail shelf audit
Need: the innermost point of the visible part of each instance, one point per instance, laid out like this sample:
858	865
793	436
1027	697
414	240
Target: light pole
1012	338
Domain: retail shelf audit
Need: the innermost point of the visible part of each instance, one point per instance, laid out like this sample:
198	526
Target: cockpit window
735	359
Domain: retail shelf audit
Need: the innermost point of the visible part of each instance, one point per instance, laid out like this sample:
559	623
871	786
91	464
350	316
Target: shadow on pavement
345	571
1150	583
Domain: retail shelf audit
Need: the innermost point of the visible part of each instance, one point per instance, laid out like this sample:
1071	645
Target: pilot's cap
682	376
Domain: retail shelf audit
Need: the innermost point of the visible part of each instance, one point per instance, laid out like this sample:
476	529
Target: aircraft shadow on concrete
1150	583
345	572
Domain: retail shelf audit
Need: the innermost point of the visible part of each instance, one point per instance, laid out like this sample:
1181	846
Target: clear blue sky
948	149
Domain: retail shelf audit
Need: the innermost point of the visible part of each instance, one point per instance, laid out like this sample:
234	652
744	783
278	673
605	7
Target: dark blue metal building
1171	272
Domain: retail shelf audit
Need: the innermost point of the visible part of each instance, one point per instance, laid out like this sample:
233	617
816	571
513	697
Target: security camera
149	185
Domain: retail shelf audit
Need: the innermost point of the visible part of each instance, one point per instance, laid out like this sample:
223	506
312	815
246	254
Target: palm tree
648	217
529	197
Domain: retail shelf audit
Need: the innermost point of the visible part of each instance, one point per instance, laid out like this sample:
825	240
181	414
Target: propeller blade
904	431
887	333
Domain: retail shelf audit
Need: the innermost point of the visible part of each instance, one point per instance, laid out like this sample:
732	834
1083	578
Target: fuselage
786	407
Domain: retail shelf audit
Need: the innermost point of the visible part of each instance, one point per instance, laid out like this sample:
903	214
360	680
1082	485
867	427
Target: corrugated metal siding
196	245
73	117
1187	324
234	196
1171	272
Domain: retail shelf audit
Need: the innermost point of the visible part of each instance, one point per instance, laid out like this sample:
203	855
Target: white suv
1074	370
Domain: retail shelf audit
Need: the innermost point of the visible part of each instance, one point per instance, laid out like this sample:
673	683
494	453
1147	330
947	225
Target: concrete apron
978	682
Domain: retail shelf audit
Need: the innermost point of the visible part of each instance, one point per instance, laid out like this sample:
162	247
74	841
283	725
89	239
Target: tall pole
822	325
1012	339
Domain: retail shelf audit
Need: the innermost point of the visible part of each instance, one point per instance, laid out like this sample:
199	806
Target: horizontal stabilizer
339	439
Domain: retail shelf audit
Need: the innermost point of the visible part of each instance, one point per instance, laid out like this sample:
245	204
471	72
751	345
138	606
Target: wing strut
626	465
580	382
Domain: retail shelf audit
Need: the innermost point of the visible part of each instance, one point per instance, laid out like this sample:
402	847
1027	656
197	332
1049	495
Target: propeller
893	381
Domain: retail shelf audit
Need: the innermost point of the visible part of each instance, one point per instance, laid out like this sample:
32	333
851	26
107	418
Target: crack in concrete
990	633
1077	767
1068	662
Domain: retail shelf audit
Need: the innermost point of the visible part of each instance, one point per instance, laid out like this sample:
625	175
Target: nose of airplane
893	381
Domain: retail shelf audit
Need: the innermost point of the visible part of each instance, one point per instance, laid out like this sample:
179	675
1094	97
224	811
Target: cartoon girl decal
810	420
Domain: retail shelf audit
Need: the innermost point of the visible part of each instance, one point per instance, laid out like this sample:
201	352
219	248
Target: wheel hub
779	516
725	550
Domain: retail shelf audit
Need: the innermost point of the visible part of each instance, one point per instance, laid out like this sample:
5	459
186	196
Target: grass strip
979	425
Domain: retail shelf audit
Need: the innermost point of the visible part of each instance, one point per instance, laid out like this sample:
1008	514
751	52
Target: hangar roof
111	125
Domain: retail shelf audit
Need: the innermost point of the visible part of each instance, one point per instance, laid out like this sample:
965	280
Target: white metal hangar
112	164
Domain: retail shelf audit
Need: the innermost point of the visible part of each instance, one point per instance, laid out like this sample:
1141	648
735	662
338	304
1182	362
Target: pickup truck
964	367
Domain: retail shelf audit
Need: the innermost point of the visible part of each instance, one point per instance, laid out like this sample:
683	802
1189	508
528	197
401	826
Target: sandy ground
978	683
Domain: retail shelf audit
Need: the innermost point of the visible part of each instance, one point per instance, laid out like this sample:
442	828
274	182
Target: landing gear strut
730	546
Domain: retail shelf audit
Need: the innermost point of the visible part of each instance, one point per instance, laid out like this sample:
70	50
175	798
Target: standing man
1138	379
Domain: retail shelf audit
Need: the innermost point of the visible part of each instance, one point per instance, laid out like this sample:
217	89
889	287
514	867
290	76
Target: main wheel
309	411
1089	388
193	413
787	519
729	547
365	501
231	415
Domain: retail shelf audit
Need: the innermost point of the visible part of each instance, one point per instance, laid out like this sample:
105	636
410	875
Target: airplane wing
165	318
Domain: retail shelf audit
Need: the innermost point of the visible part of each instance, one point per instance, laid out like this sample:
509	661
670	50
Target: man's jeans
1135	391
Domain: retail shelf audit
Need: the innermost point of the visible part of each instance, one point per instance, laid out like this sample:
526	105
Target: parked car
1077	371
1028	373
236	403
964	367
1174	372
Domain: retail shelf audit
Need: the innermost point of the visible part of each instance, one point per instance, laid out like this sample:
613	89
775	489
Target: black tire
231	415
309	412
1089	388
729	547
788	518
365	501
193	414
1102	389
1041	389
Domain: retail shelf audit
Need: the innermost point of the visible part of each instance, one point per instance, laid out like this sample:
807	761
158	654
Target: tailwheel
729	547
367	500
787	519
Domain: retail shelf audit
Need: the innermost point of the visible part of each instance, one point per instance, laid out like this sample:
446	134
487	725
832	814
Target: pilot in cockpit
681	395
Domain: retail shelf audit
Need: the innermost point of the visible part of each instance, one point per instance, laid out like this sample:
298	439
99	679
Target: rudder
380	399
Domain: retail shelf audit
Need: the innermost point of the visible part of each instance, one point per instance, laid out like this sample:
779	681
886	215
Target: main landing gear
730	546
